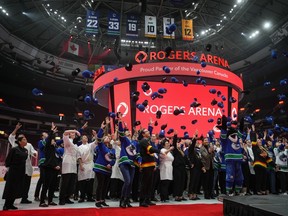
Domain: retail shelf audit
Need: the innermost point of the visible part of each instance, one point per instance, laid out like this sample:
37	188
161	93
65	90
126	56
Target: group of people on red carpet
114	163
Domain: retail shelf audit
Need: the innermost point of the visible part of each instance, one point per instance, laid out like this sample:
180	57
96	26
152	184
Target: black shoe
127	202
62	203
154	199
26	201
178	199
43	205
183	199
68	201
98	205
143	204
104	204
81	200
52	204
122	203
151	203
90	200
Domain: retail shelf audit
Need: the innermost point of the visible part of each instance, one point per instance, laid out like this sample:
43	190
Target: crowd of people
116	163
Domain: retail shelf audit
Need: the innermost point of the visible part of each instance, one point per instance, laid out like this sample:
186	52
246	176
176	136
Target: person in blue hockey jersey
233	155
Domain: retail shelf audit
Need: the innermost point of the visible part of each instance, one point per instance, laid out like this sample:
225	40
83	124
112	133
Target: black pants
156	181
283	181
146	184
208	183
222	181
195	177
9	202
26	187
135	185
164	189
179	175
49	183
246	175
102	187
67	186
86	188
39	183
260	174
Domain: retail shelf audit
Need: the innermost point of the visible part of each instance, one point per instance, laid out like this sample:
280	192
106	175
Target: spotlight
266	25
75	72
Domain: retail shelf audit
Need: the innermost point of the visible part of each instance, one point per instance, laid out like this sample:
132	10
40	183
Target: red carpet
171	210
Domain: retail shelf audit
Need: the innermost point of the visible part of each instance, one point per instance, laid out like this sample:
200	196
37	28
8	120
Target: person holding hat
233	156
147	167
179	168
103	165
166	169
127	155
16	162
50	168
28	167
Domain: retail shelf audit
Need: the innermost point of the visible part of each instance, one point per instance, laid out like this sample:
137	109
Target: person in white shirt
166	169
69	167
28	167
85	173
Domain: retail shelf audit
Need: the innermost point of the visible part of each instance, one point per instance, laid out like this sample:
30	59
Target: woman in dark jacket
15	161
51	167
179	169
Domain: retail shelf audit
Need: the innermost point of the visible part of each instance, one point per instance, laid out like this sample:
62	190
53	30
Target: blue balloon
198	72
87	74
283	82
141	107
184	83
274	54
267	84
210	120
212	91
87	99
162	90
166	69
174	80
86	113
37	92
203	63
95	101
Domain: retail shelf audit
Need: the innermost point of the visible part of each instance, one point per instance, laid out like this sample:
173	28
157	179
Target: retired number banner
113	23
166	23
187	29
150	26
92	22
132	25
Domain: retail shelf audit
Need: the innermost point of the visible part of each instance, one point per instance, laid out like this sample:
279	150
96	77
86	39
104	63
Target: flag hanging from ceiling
132	25
150	26
166	23
187	29
113	23
73	48
92	22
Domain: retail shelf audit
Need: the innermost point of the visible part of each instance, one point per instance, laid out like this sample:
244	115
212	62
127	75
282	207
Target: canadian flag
73	48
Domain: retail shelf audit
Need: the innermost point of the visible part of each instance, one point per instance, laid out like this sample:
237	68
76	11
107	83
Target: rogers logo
141	56
123	110
148	93
234	111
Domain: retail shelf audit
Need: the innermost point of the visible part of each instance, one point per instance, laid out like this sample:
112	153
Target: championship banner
132	25
150	26
92	22
166	23
113	23
187	29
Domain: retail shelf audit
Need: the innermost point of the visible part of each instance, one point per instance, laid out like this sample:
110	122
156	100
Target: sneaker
143	204
104	204
13	207
98	205
26	201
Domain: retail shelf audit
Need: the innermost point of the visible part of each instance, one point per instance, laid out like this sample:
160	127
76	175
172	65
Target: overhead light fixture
266	25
